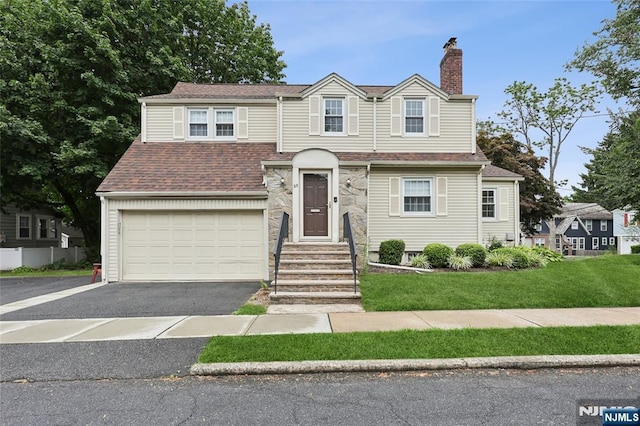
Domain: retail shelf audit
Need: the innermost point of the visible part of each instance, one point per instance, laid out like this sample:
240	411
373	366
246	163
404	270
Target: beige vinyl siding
116	206
262	122
160	123
459	225
295	129
455	126
501	226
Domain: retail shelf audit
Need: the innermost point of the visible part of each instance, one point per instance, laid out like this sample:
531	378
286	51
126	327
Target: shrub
420	261
549	255
498	258
391	252
635	249
438	254
22	270
476	252
494	244
460	263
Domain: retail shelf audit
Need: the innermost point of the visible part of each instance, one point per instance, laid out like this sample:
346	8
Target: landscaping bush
635	249
523	257
391	252
498	258
420	261
460	263
549	255
438	254
476	252
22	270
494	244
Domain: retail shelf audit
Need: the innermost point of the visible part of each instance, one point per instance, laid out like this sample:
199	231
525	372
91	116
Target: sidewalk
101	329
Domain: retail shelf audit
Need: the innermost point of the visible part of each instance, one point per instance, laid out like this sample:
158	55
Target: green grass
60	273
594	282
414	344
251	309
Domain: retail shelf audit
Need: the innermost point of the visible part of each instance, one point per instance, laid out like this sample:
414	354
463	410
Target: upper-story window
588	223
333	115
23	223
603	225
416	196
488	203
201	120
574	224
414	116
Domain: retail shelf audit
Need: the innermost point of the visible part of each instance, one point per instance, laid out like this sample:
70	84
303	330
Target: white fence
11	258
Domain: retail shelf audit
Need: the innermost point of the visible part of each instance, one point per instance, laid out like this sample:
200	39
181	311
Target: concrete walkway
102	329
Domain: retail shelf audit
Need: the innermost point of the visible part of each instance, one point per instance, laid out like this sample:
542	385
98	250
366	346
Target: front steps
315	274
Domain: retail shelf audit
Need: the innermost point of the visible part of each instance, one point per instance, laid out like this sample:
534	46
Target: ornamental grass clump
500	259
460	263
420	261
438	254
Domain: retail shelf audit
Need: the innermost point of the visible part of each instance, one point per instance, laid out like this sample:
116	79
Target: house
201	193
580	228
29	228
626	228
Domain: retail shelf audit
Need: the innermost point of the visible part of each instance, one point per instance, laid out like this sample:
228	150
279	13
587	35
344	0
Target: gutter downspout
479	204
280	124
375	125
516	219
104	258
143	124
474	135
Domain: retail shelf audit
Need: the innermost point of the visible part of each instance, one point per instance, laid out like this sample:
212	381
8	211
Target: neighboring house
29	228
199	195
626	228
580	228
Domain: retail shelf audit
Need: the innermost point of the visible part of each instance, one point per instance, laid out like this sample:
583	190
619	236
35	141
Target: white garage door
167	246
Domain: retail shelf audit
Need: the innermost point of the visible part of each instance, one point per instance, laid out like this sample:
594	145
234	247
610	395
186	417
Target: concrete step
314	247
315	286
314	298
314	264
315	274
323	254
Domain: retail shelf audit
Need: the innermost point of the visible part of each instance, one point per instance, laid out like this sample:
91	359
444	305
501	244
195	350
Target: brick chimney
451	68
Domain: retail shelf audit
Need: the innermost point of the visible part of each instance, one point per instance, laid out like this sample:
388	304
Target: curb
352	366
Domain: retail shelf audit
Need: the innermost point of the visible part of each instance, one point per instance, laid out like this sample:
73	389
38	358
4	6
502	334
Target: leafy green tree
545	120
615	55
538	199
72	70
613	174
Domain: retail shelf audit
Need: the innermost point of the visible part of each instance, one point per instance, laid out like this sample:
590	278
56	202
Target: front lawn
425	344
608	280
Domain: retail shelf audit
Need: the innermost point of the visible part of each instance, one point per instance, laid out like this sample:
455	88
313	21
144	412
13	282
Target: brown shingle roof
225	167
497	172
188	167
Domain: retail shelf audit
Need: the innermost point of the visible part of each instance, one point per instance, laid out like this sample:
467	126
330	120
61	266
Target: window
589	224
595	243
574	224
558	244
604	241
577	243
539	242
612	241
224	123
538	227
489	203
47	228
43	228
416	195
581	243
334	115
414	116
603	225
24	227
198	123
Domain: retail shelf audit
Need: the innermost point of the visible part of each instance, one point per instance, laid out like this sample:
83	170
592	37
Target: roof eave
185	194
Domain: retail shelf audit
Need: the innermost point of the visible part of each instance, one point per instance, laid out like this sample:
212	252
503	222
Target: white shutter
178	122
442	196
396	116
243	122
503	199
394	196
353	126
434	116
314	115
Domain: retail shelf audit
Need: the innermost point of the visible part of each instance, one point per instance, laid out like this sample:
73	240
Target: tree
73	69
614	57
538	199
613	175
545	120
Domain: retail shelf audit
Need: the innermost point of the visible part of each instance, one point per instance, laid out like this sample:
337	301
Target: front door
316	204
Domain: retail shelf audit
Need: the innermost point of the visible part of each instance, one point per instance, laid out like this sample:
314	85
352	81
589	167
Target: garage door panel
183	245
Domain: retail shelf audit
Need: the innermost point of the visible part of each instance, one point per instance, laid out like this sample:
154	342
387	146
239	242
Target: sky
384	42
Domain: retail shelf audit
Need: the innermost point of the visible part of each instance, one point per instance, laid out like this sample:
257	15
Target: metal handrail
283	233
348	235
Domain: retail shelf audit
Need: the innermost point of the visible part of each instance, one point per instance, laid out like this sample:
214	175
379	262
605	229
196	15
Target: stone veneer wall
280	200
354	199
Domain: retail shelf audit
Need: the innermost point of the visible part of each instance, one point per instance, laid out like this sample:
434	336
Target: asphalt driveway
130	300
14	289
